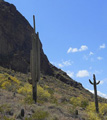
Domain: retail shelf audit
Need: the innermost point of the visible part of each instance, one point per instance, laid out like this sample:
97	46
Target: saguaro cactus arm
97	82
91	82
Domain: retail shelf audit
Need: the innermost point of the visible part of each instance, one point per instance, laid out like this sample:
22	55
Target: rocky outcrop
1	0
15	41
15	45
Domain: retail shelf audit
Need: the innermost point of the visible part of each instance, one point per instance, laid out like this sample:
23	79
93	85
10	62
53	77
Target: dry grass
56	107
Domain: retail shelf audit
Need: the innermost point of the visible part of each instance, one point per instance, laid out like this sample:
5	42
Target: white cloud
101	82
72	50
71	74
60	65
82	48
69	50
67	63
92	91
63	63
105	80
99	58
91	53
102	94
82	73
88	56
102	46
99	93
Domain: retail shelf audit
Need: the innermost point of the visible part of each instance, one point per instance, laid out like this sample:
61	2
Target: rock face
15	41
1	0
15	45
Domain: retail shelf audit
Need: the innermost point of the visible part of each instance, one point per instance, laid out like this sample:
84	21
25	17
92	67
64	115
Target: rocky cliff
15	45
15	41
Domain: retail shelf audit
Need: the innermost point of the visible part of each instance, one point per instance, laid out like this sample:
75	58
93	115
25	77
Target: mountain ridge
15	45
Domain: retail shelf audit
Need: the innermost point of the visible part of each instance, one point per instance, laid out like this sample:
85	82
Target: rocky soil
11	106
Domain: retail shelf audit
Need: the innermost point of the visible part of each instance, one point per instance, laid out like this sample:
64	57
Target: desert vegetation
52	103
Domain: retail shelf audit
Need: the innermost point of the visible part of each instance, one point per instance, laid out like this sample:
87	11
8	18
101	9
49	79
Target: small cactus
14	94
22	113
95	91
76	112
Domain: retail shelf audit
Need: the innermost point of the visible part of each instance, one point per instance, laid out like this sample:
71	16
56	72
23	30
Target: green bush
93	116
9	82
43	95
25	90
28	99
79	101
84	103
6	118
92	113
39	115
5	108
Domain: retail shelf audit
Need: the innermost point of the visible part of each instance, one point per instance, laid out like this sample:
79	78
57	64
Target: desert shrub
55	118
38	115
51	91
84	103
54	100
75	101
91	107
72	110
93	116
43	94
1	109
4	108
6	118
26	90
6	85
28	99
9	82
79	101
102	111
46	86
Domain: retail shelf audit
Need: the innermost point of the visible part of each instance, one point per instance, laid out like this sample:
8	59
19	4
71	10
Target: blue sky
73	34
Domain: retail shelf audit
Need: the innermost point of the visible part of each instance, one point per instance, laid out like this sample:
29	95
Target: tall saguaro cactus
95	91
35	62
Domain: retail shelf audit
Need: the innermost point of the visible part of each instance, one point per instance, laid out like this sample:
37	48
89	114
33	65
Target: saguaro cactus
95	91
35	62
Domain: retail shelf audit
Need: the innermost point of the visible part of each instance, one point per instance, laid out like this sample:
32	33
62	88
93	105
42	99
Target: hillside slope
56	100
15	45
59	96
15	40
